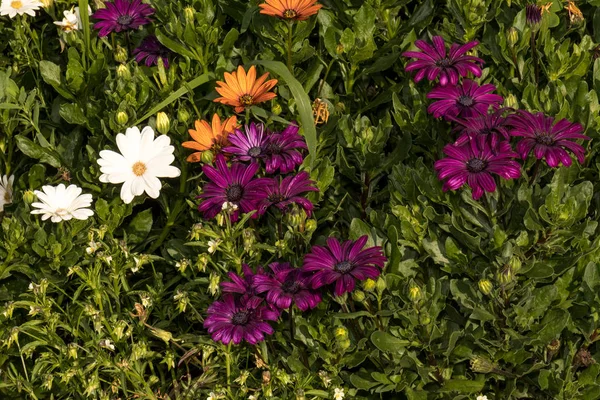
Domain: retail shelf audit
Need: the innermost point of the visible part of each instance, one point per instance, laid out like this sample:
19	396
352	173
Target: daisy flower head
14	7
491	126
6	190
434	62
60	203
281	193
207	137
291	10
70	22
150	50
239	319
547	139
141	161
466	100
245	284
341	264
241	89
474	163
248	144
122	15
283	151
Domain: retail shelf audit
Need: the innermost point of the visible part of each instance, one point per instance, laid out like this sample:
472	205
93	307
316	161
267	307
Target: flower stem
515	61
228	365
290	25
536	67
291	309
536	171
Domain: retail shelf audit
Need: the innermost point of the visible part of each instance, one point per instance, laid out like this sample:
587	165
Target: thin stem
291	310
536	67
228	365
290	25
514	58
536	171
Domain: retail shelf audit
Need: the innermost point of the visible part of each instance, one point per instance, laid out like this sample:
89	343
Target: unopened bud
122	118
515	264
512	36
511	101
505	275
189	13
311	225
369	285
415	294
163	124
183	115
207	157
482	365
276	109
123	72
162	73
485	286
339	49
381	285
554	345
424	319
28	197
72	351
341	333
121	54
358	296
344	344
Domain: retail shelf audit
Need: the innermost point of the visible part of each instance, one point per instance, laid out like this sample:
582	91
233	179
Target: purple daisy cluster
252	300
261	176
127	15
482	149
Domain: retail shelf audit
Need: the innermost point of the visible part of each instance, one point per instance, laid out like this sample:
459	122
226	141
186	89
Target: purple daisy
234	320
234	185
122	15
467	100
433	61
285	192
248	144
287	285
474	163
151	49
547	139
283	151
343	263
244	285
492	127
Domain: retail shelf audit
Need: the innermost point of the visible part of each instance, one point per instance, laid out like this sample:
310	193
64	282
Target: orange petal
232	82
264	97
239	109
216	126
194	157
250	79
241	75
230	124
258	83
194	146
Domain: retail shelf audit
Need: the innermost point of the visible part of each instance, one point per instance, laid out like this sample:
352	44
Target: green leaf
388	343
462	386
139	227
72	113
50	73
302	101
37	152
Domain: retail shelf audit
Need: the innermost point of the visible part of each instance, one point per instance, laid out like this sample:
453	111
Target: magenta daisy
283	151
150	50
466	100
281	193
287	285
547	139
236	319
245	284
434	62
492	127
342	264
122	15
248	144
474	163
233	185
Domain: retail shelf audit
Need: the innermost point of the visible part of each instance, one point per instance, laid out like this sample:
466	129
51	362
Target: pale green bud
121	55
358	296
485	286
122	118
512	36
415	294
369	285
163	124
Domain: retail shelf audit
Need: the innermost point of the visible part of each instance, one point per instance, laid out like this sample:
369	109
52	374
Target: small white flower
325	378
229	207
30	285
213	396
108	259
338	394
482	397
252	397
93	247
14	7
213	245
107	344
62	203
142	161
70	22
6	190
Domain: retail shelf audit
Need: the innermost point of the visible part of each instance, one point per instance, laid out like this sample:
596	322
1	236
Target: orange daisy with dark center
209	137
297	10
242	90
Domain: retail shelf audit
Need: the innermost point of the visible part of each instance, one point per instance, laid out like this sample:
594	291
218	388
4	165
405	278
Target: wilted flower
149	51
60	203
122	15
14	7
6	190
182	300
295	10
92	248
465	100
241	90
209	137
213	283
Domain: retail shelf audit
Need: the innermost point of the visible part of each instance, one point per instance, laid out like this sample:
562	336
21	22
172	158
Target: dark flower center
544	138
289	14
291	287
466	101
476	165
246	100
254	151
276	197
240	318
343	267
274	148
234	192
124	20
486	131
444	63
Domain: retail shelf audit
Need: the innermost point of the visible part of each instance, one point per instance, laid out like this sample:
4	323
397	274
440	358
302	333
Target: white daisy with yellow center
142	161
14	7
6	190
60	203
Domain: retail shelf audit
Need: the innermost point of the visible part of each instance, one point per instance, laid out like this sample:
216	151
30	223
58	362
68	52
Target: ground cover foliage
495	297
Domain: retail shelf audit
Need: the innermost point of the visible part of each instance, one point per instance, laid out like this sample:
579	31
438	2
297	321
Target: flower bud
183	115
121	55
381	285
276	109
341	333
343	344
415	294
512	36
339	49
485	286
122	118
369	285
189	14
163	124
311	225
424	319
28	197
213	286
2	145
358	296
123	72
207	157
511	101
515	264
505	275
72	351
482	365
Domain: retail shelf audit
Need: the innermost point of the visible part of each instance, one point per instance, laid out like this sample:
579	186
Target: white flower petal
166	172
126	194
153	185
138	185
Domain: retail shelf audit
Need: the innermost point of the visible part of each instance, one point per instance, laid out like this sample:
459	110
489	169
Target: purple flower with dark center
282	193
474	163
283	151
151	49
343	263
547	139
248	144
233	185
433	62
466	100
122	15
287	285
245	284
235	319
491	127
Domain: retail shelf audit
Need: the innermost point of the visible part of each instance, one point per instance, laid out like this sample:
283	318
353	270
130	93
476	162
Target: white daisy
70	22
142	161
14	7
63	203
6	190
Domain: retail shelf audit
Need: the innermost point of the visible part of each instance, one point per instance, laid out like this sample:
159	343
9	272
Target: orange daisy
242	90
207	137
298	10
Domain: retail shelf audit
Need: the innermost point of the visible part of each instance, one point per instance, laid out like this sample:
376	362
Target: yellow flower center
289	14
16	4
246	100
139	168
